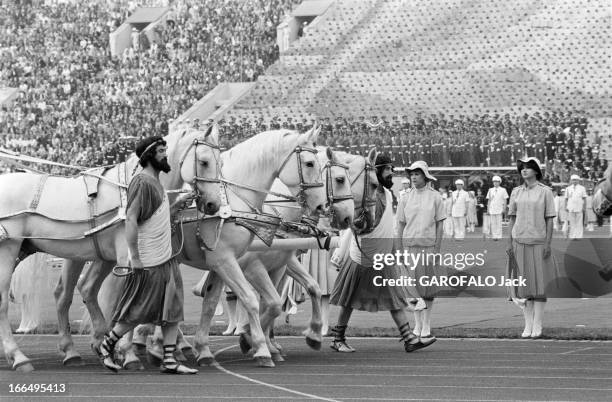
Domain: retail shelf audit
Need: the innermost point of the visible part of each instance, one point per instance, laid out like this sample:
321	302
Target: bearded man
153	291
359	285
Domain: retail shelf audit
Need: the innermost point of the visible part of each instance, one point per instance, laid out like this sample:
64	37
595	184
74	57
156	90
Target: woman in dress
420	220
531	213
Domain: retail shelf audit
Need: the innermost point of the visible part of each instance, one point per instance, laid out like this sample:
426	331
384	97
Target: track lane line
243	377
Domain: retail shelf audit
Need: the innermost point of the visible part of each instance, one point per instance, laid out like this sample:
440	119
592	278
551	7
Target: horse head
363	186
200	164
338	190
300	171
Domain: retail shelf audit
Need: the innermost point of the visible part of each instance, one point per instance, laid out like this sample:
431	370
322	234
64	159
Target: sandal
176	368
427	340
413	342
341	346
106	358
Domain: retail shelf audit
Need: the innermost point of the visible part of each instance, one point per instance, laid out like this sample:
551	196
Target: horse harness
366	202
91	188
262	225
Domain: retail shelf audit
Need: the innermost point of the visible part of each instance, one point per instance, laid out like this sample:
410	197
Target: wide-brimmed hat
575	177
531	162
459	181
422	166
497	178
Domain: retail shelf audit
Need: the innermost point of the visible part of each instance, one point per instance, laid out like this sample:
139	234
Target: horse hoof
73	359
245	343
313	343
206	361
23	367
263	361
154	360
277	357
133	365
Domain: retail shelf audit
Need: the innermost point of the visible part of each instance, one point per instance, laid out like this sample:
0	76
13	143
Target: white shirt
497	197
575	195
460	203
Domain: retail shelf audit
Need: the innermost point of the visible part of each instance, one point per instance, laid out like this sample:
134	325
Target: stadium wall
215	103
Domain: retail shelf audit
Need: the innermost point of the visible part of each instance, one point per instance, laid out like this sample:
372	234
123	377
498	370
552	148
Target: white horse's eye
204	163
340	180
309	164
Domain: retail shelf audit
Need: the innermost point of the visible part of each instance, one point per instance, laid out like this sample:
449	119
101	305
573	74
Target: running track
451	369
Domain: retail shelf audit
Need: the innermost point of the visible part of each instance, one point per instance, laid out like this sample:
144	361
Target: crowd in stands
557	138
79	105
76	100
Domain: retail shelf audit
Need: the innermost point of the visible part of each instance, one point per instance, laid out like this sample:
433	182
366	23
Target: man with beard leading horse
355	287
153	291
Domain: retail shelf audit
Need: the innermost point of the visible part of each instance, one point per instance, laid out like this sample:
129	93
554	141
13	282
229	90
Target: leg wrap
338	333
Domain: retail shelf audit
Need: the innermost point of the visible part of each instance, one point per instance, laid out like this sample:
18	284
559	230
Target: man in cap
405	186
460	199
497	197
153	291
575	195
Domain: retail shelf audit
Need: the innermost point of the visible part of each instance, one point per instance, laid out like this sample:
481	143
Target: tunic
155	294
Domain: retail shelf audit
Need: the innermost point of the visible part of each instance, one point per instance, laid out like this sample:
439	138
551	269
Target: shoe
106	358
427	340
342	347
176	368
413	343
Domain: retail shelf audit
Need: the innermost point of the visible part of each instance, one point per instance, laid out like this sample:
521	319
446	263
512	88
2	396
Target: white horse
274	262
258	266
257	161
54	214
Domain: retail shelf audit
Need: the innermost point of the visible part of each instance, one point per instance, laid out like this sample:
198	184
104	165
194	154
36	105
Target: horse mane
268	142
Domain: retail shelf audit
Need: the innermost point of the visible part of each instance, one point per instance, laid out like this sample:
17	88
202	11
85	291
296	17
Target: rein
300	198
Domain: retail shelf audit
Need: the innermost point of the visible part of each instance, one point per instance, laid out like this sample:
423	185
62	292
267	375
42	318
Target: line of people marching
420	221
346	275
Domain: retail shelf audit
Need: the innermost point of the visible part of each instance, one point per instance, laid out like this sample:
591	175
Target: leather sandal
342	347
107	359
176	368
427	340
413	342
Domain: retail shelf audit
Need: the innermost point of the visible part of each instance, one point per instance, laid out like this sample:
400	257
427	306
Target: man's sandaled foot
110	364
176	368
427	340
413	343
106	359
342	347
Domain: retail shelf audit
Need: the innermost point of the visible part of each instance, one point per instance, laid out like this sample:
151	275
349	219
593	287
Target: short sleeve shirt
420	209
460	200
531	206
497	197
